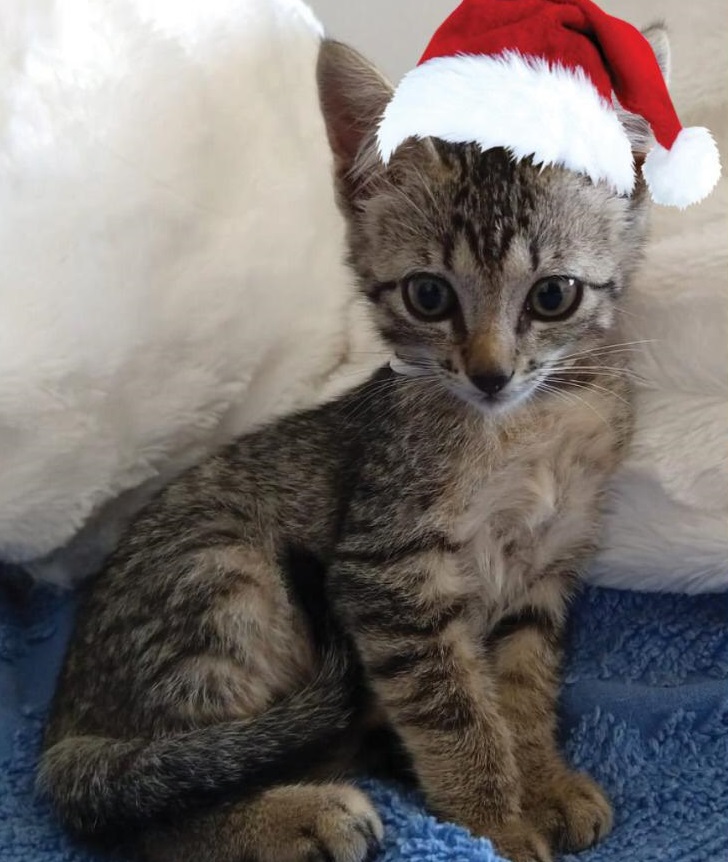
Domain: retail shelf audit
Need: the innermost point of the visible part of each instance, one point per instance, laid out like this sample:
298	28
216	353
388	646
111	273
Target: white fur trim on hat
524	104
685	173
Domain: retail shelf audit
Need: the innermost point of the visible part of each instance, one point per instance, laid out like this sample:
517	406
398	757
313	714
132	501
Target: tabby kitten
400	558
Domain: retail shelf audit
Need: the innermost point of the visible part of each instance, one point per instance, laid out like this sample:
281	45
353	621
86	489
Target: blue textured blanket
645	709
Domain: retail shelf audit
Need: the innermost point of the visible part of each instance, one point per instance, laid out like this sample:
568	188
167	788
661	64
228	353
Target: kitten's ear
353	96
637	128
659	38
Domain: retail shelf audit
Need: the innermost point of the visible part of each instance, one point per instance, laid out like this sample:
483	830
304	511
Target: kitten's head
491	275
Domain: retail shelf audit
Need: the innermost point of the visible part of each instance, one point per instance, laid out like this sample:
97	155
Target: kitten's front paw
520	841
572	811
325	823
346	829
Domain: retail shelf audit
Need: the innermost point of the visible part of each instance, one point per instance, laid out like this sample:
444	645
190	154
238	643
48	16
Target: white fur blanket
172	254
172	275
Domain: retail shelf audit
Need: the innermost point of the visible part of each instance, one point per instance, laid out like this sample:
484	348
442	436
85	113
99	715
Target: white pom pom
685	173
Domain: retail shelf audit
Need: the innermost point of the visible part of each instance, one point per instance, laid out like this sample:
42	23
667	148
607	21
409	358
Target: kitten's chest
535	508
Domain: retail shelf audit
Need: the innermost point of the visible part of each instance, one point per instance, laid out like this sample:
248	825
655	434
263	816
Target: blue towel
644	709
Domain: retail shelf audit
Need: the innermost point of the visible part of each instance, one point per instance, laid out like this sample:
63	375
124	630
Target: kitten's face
492	277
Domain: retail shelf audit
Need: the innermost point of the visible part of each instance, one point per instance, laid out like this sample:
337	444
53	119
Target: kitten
399	558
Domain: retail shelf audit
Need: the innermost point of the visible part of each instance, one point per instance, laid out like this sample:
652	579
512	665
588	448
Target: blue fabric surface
645	709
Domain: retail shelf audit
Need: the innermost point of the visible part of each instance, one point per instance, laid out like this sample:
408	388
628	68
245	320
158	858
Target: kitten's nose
491	382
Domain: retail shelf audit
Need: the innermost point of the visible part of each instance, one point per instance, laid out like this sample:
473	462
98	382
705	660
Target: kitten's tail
98	784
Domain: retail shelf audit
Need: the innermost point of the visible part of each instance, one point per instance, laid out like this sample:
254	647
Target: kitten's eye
554	298
428	297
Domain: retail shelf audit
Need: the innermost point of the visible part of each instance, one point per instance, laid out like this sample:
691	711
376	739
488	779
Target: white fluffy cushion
668	524
171	252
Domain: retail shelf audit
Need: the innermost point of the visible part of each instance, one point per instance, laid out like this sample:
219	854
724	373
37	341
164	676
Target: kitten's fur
402	557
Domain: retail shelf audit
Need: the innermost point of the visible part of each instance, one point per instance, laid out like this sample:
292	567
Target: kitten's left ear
637	128
659	39
353	95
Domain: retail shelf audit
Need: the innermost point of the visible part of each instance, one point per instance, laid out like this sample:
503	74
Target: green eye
429	297
554	298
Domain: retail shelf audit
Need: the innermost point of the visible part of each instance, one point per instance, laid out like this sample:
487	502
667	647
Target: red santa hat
539	77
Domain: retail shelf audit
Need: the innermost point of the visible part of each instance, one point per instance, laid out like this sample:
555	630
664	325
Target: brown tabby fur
401	558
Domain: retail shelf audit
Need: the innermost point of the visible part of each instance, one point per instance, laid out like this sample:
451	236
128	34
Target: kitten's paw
520	841
572	811
325	823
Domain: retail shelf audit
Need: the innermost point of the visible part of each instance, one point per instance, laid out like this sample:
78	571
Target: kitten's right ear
353	96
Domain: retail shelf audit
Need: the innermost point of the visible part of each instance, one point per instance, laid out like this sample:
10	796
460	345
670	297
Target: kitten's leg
410	622
565	806
294	823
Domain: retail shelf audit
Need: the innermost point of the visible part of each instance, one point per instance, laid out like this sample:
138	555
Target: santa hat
539	77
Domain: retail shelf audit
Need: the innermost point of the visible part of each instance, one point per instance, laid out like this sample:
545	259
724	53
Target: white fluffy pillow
172	254
668	522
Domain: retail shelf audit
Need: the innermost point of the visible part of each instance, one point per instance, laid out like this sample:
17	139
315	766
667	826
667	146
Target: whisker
607	370
404	383
578	397
383	386
619	347
617	369
542	386
631	313
587	386
376	390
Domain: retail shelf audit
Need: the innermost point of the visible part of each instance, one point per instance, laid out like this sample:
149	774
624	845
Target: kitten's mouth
494	406
498	403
